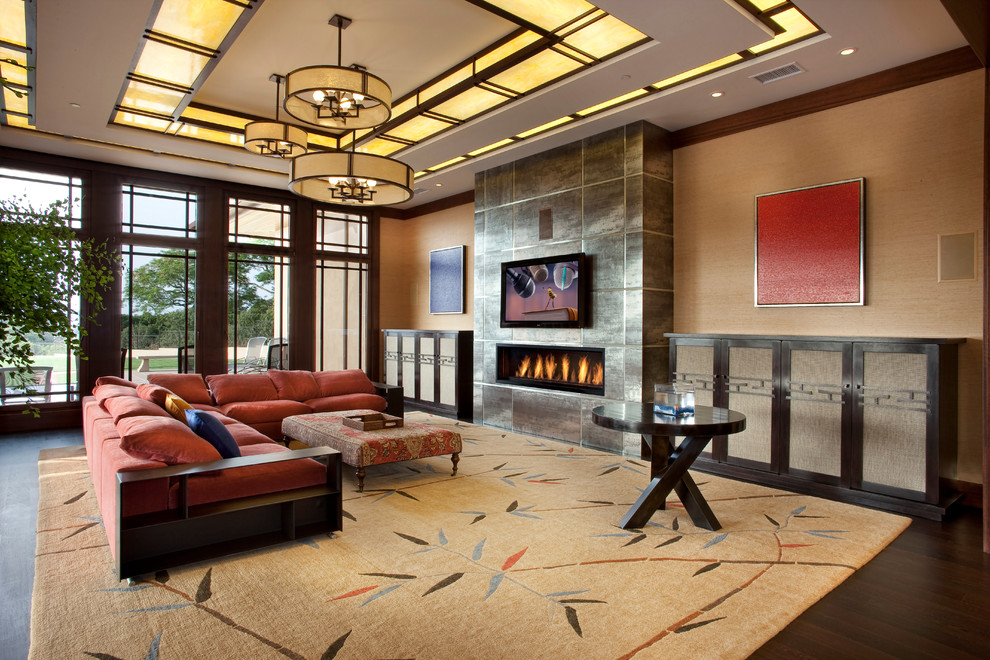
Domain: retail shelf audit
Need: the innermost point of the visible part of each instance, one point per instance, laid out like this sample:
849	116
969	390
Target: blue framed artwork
447	280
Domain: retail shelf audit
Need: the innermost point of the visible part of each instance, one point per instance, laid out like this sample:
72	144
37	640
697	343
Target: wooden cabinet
864	420
434	369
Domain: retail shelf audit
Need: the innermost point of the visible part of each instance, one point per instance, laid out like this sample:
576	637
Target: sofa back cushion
190	387
163	439
154	393
294	385
347	381
114	380
120	407
108	391
231	388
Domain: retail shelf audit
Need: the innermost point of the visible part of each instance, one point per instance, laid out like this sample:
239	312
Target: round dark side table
669	463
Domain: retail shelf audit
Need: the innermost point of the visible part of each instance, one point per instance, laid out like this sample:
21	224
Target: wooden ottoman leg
360	478
453	459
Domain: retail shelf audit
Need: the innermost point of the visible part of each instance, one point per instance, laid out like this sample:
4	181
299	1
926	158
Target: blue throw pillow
213	431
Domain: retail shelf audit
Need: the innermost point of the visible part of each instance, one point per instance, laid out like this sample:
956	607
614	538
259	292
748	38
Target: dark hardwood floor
927	595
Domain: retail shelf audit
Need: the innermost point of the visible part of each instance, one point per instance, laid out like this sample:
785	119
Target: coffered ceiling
86	55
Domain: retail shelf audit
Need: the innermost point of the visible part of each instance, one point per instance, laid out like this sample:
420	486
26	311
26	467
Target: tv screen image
544	292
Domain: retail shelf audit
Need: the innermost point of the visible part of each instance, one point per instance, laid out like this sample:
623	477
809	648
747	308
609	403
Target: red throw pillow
347	381
237	388
121	407
295	385
114	380
190	387
153	393
166	440
104	392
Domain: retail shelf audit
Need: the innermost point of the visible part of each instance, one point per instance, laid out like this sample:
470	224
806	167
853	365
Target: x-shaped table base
669	471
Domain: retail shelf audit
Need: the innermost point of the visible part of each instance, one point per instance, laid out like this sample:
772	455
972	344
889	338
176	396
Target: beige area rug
518	556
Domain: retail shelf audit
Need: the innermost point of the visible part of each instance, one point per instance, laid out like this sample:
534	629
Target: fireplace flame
583	370
545	367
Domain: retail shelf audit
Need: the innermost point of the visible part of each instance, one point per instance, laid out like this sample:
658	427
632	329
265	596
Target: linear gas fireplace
571	369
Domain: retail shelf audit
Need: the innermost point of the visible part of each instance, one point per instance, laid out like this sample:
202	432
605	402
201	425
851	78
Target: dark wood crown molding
458	199
937	67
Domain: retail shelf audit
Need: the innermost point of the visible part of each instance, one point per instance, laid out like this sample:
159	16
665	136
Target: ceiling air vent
779	73
419	191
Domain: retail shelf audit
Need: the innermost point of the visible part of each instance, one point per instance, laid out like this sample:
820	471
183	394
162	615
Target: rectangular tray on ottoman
361	448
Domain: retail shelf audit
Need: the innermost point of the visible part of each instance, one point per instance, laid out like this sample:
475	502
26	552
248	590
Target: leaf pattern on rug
151	655
828	533
716	540
336	647
691	626
705	569
386	492
572	618
204	592
446	582
80	530
75	498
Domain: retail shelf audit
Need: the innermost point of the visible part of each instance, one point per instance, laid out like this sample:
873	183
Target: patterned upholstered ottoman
362	448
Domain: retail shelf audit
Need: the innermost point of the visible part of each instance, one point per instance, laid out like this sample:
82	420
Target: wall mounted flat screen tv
549	292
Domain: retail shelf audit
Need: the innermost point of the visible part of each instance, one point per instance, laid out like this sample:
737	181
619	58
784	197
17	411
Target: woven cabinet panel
427	358
391	359
409	366
750	383
448	370
696	367
895	416
815	443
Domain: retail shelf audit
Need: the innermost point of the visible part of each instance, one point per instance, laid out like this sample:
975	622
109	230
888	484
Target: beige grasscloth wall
920	151
405	272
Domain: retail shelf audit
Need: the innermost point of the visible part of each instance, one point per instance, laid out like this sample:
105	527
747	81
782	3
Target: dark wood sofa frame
150	542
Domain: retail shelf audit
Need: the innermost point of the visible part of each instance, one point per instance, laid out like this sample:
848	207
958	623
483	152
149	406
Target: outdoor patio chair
15	388
253	356
277	354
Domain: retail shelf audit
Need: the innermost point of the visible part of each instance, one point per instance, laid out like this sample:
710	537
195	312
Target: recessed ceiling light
847	51
74	105
438	185
715	95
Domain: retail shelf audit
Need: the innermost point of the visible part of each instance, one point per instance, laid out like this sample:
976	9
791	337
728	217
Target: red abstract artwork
809	245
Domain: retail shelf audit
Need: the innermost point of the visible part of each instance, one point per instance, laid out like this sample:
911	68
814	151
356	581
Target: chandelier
338	96
275	138
344	99
348	177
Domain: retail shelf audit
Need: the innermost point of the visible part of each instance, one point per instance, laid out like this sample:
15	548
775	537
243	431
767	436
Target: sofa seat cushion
120	407
245	435
233	483
163	439
346	381
347	402
253	412
232	388
211	429
294	385
190	387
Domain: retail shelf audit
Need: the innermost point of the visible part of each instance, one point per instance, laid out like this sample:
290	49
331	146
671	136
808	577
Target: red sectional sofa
262	401
168	496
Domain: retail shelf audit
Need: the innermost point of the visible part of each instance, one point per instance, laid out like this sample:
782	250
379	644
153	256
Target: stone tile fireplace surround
611	197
